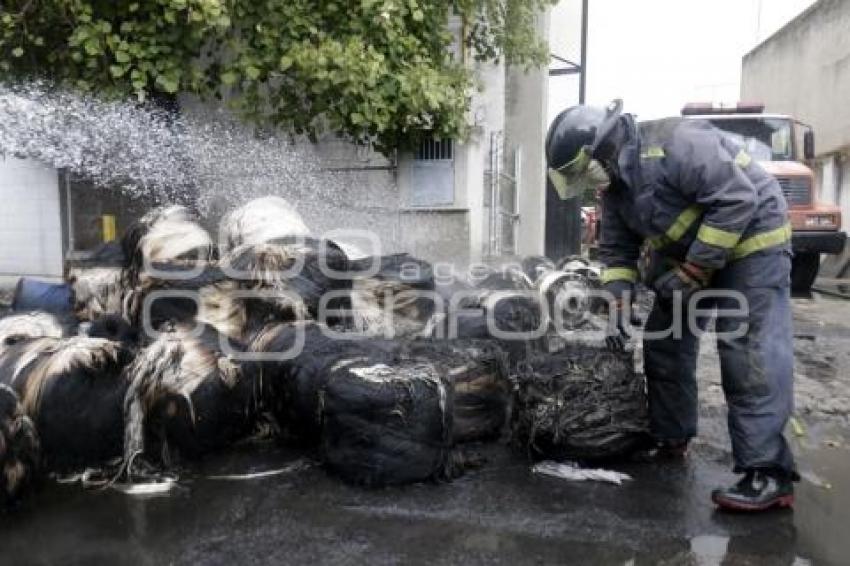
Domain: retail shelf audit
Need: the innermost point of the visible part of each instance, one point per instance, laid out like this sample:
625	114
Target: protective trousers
751	301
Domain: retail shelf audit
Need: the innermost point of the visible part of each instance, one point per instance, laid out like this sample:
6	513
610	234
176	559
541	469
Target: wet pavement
498	514
501	513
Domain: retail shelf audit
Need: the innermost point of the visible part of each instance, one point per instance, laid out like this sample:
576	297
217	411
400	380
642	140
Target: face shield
578	176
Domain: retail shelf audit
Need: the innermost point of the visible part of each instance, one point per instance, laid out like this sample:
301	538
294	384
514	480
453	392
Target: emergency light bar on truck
707	108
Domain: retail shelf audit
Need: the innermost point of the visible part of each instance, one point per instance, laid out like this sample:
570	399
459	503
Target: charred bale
514	320
165	234
392	296
296	361
112	327
96	291
182	292
260	221
21	327
290	277
73	390
583	402
477	372
96	283
386	422
536	266
20	451
502	278
379	414
186	398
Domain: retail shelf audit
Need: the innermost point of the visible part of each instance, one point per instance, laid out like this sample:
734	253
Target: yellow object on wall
108	227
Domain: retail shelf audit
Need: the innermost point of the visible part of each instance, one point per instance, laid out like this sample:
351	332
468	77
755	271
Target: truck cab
782	146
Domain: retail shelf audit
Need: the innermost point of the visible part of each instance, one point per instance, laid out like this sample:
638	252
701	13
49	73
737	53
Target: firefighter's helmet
572	138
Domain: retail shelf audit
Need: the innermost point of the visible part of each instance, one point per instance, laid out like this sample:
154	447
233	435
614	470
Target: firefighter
716	225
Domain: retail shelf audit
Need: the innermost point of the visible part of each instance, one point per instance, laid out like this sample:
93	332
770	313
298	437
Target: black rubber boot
758	490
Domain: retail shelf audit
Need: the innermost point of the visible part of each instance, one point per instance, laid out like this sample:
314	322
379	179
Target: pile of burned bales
179	346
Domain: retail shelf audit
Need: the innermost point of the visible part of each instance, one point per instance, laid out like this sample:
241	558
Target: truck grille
796	190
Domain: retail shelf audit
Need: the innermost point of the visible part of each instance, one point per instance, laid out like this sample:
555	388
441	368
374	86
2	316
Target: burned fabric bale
96	291
379	414
198	291
21	327
20	452
536	266
386	422
289	278
392	296
166	234
514	319
96	283
186	397
111	327
569	300
297	359
477	371
166	251
73	390
505	307
260	221
504	278
583	402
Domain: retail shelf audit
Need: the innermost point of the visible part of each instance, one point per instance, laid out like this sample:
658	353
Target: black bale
294	363
378	414
294	275
187	397
477	371
582	402
387	422
392	296
73	390
19	448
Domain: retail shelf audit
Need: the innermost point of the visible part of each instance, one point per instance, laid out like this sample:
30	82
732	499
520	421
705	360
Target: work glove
618	334
686	278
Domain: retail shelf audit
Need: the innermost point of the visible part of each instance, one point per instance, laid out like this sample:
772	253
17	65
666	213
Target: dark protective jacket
693	194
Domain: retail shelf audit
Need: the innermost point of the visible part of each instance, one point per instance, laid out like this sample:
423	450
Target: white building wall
30	223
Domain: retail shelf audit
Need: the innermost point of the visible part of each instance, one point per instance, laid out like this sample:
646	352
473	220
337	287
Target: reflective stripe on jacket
693	194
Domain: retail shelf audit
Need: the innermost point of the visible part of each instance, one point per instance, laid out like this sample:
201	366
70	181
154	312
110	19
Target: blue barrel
35	295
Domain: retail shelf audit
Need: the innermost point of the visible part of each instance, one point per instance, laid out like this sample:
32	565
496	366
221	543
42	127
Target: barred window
433	182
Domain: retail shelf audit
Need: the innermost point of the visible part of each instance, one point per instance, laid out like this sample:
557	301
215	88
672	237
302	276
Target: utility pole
563	217
582	85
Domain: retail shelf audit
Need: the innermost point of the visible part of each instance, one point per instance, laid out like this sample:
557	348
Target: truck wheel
804	270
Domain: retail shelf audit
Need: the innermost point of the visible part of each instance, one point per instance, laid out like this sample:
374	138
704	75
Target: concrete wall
30	223
527	120
804	70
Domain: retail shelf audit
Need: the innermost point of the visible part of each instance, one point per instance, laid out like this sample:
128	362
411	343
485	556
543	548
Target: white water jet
202	156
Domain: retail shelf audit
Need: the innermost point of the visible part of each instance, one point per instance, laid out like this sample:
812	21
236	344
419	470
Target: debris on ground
572	472
815	480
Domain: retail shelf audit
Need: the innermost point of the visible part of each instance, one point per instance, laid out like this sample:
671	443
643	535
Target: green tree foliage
378	71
